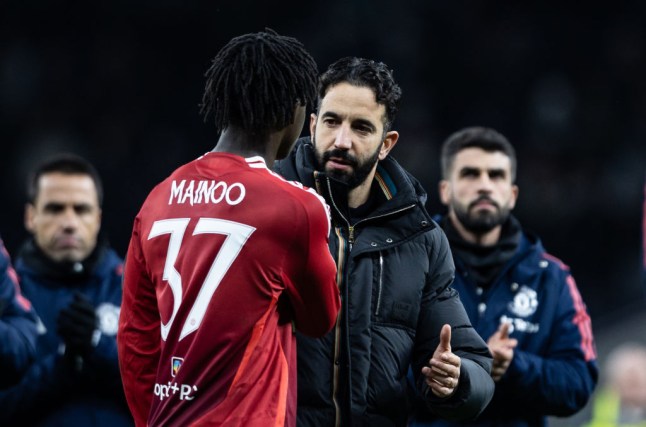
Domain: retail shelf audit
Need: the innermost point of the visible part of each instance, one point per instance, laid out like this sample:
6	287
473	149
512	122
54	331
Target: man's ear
444	190
514	196
29	217
313	119
389	143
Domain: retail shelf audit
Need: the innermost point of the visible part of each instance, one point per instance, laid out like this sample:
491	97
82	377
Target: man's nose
485	184
69	218
343	138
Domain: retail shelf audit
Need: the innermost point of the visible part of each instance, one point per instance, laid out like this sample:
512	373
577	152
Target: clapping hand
76	324
502	350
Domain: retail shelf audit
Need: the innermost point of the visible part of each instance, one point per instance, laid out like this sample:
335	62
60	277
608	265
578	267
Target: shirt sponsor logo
520	325
164	391
175	364
204	191
172	388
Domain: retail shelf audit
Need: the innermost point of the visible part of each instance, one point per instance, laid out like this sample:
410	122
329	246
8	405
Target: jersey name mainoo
206	191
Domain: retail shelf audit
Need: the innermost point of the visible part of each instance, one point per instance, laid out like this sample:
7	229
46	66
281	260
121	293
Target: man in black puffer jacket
394	270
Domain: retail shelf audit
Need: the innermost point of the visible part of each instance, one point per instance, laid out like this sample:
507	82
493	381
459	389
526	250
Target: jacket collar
395	187
33	258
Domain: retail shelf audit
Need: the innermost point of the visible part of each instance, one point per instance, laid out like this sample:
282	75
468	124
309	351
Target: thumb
445	338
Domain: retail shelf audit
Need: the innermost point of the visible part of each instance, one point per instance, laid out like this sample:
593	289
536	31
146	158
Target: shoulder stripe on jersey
554	259
256	162
582	321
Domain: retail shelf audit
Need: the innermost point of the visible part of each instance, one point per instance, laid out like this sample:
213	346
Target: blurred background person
73	279
17	324
523	301
622	399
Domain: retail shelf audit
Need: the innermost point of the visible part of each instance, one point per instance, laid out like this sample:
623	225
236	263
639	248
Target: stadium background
119	82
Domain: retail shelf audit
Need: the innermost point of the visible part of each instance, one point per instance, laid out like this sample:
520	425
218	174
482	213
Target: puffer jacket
395	273
554	369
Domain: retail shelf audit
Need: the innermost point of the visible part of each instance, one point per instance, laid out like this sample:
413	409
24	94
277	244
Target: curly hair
256	80
365	73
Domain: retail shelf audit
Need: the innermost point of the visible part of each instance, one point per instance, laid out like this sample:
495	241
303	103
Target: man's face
348	134
479	191
65	218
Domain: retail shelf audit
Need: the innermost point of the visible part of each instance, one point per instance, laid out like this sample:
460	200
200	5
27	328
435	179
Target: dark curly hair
365	73
256	80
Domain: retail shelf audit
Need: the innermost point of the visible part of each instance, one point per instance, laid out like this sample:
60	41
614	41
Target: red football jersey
224	256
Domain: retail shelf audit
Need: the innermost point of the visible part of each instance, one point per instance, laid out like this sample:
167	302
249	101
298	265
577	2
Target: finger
445	338
440	390
443	370
504	330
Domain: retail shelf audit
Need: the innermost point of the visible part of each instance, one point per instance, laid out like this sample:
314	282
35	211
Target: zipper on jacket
336	368
380	282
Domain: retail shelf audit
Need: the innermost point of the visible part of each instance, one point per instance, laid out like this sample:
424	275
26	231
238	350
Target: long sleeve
561	380
18	330
139	336
441	306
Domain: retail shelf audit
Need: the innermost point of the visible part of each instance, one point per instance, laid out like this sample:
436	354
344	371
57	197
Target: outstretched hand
502	350
443	371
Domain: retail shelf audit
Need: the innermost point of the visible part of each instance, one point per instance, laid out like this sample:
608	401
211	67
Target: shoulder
112	263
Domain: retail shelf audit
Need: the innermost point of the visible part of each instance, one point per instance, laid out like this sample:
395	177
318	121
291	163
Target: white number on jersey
236	236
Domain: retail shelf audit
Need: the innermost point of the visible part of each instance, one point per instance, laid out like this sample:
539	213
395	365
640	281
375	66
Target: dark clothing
17	325
56	390
394	273
554	369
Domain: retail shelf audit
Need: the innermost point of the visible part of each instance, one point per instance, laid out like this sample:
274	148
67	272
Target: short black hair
484	138
68	164
365	73
256	80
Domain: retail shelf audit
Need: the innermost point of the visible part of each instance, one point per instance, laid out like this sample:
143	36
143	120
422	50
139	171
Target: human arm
311	277
139	336
559	378
441	306
18	322
47	383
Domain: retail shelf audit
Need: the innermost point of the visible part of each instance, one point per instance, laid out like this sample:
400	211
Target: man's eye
53	209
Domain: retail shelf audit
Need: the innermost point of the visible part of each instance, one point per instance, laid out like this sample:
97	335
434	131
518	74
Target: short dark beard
483	221
360	170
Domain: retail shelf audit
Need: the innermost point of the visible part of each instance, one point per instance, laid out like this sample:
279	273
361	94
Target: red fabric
254	257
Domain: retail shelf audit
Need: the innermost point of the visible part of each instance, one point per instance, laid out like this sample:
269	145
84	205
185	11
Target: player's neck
245	144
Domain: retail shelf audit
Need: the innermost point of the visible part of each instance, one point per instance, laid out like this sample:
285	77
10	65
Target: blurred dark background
119	82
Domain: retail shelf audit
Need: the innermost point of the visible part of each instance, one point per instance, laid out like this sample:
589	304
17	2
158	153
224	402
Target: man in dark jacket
521	299
73	280
394	270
